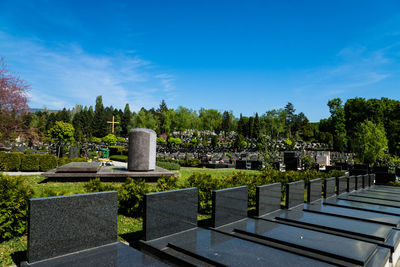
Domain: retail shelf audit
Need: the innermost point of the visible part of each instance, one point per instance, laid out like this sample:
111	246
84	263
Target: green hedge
168	165
118	150
119	158
11	161
130	197
47	162
30	162
14	196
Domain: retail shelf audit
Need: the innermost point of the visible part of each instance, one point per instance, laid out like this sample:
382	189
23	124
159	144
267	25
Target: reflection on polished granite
363	206
116	254
376	201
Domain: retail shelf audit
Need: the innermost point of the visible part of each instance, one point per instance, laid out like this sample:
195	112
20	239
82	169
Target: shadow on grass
133	238
18	257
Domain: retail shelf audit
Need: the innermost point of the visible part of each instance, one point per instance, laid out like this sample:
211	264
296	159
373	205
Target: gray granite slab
329	187
142	150
229	205
79	167
352	183
314	190
341	185
365	181
294	194
268	198
169	212
67	224
359	182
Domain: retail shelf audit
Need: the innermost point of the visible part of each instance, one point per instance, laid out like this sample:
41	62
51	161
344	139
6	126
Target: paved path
22	173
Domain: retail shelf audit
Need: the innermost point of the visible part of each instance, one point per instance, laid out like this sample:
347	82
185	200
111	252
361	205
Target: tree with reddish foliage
13	102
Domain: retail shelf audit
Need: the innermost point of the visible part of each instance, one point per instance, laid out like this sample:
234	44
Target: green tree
338	121
110	139
210	119
61	133
227	122
99	119
125	119
370	141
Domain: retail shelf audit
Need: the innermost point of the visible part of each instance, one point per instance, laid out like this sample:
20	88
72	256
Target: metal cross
112	123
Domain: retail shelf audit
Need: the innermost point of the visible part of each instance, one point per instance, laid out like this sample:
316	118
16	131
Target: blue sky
244	56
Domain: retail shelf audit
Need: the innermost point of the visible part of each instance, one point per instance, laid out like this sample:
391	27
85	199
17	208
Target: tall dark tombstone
314	190
166	213
359	181
341	185
291	161
329	187
294	194
268	198
229	205
142	150
351	183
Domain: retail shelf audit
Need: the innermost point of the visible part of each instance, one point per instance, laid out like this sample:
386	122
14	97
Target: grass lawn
14	251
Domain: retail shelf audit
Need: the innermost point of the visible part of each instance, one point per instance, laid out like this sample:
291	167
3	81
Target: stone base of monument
84	171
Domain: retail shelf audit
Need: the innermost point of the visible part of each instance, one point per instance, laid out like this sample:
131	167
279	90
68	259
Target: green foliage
130	197
161	141
167	183
308	162
30	162
174	141
51	192
168	165
96	140
47	162
110	139
11	161
2	156
14	196
118	150
205	184
121	158
95	185
370	141
65	160
120	139
62	132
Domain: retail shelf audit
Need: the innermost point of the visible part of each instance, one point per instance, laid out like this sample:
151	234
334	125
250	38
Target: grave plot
380	234
322	246
79	230
173	233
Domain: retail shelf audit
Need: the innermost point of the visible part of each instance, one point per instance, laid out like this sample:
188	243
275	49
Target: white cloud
66	75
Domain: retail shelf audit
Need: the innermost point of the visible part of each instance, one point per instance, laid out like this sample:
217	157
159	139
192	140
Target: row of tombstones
81	230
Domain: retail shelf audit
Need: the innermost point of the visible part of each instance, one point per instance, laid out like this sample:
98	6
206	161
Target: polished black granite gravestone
56	228
381	202
79	230
351	183
363	206
359	182
294	194
341	185
365	181
229	205
329	187
314	190
202	247
167	214
377	195
268	198
79	167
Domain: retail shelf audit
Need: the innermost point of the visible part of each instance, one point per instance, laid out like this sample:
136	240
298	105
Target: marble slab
169	212
79	167
268	198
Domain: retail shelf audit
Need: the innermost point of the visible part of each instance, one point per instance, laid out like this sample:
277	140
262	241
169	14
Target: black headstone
341	185
268	198
67	224
294	194
359	181
314	190
229	205
351	183
241	164
329	187
169	212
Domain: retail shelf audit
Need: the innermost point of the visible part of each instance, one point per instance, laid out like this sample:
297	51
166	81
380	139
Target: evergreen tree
125	119
99	119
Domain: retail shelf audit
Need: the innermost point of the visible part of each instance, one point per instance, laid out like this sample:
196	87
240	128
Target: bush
119	158
50	192
30	162
191	162
168	165
130	197
118	150
2	156
12	161
167	183
14	196
47	162
205	184
95	185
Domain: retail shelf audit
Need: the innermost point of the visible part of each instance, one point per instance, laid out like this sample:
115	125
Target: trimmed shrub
14	196
130	197
95	185
30	162
12	161
168	165
191	162
118	150
167	183
205	184
119	158
47	162
2	156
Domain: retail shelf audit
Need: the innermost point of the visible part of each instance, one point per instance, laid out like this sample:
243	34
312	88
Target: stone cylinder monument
142	150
